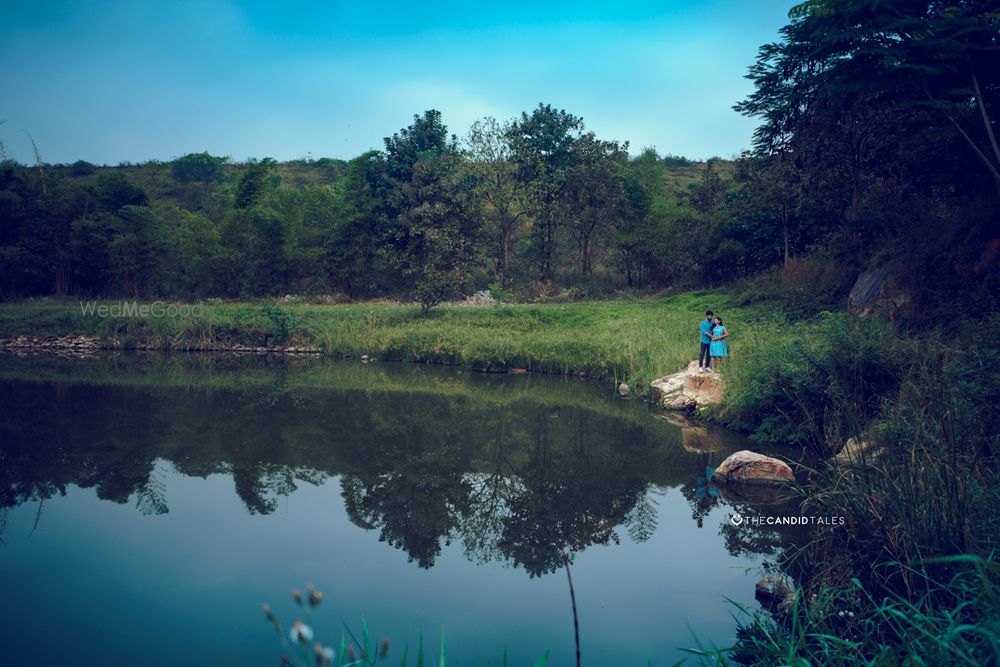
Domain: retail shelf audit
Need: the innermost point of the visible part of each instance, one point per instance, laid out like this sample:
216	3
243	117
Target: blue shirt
706	326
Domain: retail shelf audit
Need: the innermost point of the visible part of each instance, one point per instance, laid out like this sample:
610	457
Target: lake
150	503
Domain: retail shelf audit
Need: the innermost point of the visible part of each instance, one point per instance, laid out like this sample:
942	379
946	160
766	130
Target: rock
364	358
687	389
623	389
877	292
776	592
857	453
746	467
696	439
755	494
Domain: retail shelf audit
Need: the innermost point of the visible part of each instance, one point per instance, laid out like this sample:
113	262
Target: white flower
324	655
300	632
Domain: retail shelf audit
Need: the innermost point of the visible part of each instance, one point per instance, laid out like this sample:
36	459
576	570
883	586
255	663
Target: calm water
149	504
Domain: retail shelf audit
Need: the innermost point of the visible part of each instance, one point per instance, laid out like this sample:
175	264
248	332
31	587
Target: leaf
541	661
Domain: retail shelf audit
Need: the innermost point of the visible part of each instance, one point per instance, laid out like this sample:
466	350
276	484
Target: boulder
746	467
623	389
776	592
877	291
755	494
697	439
857	453
687	389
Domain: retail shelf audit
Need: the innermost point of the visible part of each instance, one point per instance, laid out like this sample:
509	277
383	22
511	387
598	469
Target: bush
816	388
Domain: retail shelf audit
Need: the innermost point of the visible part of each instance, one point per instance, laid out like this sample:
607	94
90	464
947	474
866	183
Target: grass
955	622
632	340
915	563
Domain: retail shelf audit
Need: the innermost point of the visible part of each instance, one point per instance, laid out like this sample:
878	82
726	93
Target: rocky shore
88	344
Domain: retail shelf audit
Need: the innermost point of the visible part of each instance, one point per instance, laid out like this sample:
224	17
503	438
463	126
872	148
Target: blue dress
718	348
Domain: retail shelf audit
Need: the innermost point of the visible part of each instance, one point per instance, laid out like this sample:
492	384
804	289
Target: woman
718	347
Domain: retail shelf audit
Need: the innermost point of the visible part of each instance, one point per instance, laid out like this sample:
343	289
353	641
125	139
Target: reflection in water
516	475
478	480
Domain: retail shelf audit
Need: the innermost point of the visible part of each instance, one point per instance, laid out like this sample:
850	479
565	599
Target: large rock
746	467
776	592
756	494
687	389
857	453
877	291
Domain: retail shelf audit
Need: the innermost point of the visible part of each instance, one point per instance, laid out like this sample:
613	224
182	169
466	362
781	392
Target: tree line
877	146
535	203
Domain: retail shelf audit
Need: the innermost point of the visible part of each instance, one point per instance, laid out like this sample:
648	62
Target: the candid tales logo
738	520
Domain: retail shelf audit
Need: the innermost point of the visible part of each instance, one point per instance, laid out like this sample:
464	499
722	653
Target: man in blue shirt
704	359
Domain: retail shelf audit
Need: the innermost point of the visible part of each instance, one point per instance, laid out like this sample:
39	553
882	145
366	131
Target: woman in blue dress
718	347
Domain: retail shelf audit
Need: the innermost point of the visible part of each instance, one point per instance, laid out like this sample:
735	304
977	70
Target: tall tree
504	191
594	192
542	144
433	221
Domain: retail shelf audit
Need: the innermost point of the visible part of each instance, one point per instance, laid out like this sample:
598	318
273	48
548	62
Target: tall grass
955	622
911	577
635	340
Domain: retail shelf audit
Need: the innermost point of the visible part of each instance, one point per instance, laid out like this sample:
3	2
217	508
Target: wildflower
324	654
383	649
315	597
268	614
349	653
300	632
297	596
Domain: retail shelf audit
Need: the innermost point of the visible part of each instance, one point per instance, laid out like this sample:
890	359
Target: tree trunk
784	229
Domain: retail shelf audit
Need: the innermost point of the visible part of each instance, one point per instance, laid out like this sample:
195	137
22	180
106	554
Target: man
704	358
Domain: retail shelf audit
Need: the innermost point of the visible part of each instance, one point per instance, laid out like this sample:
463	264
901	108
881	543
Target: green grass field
634	340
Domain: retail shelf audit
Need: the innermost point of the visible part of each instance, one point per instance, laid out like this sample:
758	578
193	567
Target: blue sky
134	80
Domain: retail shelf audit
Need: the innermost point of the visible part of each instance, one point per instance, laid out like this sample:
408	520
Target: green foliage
257	176
198	167
431	215
355	651
955	622
636	340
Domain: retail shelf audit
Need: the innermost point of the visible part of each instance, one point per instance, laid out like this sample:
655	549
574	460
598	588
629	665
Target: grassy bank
635	340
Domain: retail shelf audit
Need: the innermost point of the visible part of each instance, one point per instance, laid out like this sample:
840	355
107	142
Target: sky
134	80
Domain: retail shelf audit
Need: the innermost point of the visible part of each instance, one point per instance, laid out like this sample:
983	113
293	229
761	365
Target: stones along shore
89	344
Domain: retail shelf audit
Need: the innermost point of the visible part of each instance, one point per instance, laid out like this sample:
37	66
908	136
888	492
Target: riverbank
633	340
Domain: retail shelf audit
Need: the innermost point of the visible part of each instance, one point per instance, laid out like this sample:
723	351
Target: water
151	503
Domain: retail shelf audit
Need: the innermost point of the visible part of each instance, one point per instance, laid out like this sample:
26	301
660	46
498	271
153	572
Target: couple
713	342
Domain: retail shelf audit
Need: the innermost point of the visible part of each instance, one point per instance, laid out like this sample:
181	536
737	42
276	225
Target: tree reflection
519	482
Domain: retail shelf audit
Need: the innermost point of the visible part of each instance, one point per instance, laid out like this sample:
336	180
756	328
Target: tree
256	178
114	190
432	220
842	54
634	231
198	167
943	55
504	191
594	192
542	145
352	258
